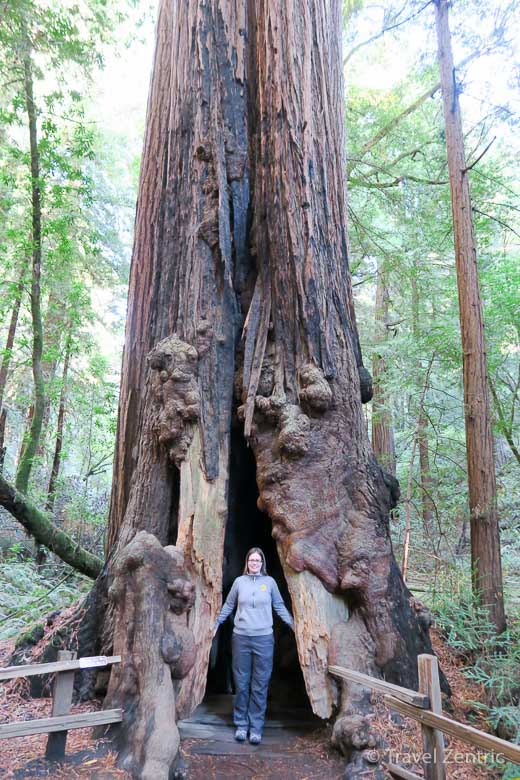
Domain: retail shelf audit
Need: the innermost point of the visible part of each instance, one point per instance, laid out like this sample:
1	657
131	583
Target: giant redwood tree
240	416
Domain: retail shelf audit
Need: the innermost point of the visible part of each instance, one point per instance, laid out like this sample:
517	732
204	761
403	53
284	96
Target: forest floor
307	757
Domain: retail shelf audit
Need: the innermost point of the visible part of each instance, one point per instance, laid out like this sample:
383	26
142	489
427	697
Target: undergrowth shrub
491	661
28	595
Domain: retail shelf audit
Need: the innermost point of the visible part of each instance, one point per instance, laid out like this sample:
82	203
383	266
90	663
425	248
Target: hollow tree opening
247	526
240	292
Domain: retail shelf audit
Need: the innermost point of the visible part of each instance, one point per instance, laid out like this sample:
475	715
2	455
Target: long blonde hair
250	552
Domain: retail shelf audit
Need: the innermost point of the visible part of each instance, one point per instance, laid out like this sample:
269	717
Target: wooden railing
60	721
425	707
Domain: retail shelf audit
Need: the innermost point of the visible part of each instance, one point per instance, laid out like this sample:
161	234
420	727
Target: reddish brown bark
485	535
151	595
240	296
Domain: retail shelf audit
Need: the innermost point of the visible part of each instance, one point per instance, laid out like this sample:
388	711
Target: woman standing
255	595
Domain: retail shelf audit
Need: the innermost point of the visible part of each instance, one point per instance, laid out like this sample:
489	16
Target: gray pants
252	667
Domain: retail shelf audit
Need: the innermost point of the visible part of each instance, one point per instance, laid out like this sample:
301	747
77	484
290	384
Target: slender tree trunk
6	360
426	479
241	329
382	425
485	534
25	436
54	327
3	449
37	524
408	500
56	462
422	433
26	462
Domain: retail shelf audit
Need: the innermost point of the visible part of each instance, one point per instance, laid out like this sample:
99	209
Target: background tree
485	532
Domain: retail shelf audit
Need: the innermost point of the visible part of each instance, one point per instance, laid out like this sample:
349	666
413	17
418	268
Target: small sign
95	660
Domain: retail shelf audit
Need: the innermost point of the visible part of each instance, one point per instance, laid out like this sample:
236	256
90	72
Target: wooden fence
425	707
60	721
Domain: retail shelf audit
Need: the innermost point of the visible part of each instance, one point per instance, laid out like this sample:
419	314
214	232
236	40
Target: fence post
62	699
433	739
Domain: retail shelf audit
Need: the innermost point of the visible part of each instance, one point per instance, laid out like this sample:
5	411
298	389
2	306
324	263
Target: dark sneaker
241	735
255	739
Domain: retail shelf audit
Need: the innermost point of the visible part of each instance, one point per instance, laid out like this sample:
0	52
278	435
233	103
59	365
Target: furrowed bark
188	273
485	533
317	477
150	594
241	312
38	525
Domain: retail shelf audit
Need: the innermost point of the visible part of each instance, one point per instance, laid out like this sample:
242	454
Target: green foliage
491	661
26	594
86	218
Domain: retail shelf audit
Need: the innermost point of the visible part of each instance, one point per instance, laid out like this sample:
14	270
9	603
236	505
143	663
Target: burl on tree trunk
240	295
150	594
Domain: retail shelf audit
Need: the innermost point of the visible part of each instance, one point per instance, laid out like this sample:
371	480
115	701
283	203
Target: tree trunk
485	534
408	499
38	525
150	593
40	555
55	470
427	504
382	425
23	472
240	297
422	432
6	360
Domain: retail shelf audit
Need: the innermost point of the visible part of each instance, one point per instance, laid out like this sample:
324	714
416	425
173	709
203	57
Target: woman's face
254	563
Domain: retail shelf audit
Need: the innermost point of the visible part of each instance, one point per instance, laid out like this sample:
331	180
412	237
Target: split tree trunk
240	297
485	533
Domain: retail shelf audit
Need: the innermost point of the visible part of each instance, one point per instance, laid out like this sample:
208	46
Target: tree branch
397	119
409	110
382	32
38	525
469	167
496	219
503	427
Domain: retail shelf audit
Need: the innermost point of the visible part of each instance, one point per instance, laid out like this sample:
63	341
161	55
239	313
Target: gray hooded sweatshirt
256	595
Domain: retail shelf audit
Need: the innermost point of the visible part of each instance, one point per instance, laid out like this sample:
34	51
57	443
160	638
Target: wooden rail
382	686
63	665
61	721
425	707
